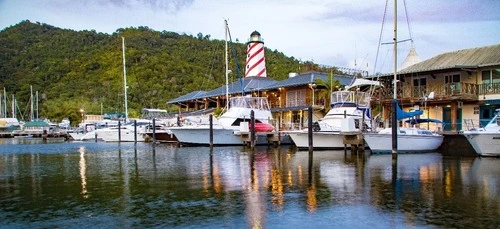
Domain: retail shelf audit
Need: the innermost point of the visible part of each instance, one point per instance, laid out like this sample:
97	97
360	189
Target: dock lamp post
312	86
82	112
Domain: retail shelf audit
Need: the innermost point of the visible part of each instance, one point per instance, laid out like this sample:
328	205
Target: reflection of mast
312	202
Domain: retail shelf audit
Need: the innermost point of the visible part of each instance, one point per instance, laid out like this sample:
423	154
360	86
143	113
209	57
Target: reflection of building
465	85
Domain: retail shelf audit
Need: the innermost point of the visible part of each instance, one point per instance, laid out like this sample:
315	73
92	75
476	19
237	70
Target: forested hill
73	70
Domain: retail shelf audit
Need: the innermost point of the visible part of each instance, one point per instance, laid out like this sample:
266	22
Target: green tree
325	88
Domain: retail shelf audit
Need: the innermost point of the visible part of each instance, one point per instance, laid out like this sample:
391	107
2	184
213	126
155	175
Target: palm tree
325	89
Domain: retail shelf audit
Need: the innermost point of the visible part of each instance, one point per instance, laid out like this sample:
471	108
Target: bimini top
403	114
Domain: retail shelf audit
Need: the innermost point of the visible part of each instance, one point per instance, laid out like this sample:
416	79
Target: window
420	82
452	78
296	98
491	76
476	110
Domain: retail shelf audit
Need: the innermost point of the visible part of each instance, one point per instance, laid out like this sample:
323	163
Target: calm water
98	185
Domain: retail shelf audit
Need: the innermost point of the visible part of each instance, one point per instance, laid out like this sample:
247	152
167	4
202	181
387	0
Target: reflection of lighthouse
256	63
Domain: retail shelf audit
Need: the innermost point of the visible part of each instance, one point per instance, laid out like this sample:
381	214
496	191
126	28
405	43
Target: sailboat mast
227	68
2	114
31	101
13	107
394	85
37	115
5	102
125	79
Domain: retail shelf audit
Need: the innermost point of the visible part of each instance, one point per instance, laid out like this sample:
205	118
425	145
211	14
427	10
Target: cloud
454	11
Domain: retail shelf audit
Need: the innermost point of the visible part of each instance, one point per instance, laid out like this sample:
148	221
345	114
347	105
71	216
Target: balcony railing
442	91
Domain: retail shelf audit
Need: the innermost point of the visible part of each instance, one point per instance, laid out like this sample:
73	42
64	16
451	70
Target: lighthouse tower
256	62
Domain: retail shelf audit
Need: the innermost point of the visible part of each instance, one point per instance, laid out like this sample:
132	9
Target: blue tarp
403	114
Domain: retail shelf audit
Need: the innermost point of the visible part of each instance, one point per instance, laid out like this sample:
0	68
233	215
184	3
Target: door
447	119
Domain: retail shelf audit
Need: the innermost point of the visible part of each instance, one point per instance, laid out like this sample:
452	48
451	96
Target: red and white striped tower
256	62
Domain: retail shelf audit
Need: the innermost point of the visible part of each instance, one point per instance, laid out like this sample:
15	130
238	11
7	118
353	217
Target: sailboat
398	139
115	133
235	119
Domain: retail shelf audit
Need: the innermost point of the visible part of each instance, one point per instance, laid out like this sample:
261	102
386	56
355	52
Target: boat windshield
148	113
362	99
259	103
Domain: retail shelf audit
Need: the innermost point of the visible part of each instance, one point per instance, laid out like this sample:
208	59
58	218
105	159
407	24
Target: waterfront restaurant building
459	88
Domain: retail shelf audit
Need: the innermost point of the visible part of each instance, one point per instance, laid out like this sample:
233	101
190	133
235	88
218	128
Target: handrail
442	91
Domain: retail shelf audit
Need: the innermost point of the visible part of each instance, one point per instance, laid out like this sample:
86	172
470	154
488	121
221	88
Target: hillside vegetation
74	70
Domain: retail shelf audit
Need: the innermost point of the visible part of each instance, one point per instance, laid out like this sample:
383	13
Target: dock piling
135	132
119	131
211	121
252	129
154	130
309	128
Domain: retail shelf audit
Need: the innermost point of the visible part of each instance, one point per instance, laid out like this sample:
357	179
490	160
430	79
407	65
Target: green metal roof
36	124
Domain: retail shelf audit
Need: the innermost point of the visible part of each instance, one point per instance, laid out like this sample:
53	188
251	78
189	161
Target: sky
340	33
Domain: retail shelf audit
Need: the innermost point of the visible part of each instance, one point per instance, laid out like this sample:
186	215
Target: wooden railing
442	91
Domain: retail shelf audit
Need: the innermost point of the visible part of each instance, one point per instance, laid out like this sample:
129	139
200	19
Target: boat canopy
362	84
403	114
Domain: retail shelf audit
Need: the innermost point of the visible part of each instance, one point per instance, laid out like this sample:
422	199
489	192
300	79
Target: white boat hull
406	143
485	144
89	136
125	136
197	135
321	140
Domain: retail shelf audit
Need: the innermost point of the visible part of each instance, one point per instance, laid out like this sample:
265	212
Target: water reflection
131	185
83	169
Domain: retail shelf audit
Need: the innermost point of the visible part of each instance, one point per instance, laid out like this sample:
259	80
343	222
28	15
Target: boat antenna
125	79
236	61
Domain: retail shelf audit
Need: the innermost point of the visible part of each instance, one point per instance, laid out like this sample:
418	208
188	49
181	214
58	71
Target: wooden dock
353	139
26	134
273	138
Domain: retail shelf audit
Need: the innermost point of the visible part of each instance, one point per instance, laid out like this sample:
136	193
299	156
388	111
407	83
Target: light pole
312	88
82	112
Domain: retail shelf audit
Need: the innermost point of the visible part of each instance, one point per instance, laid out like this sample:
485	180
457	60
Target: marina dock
273	138
26	134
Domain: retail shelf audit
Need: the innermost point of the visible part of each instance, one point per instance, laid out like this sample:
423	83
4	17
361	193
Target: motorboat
486	140
129	132
227	129
159	133
348	110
